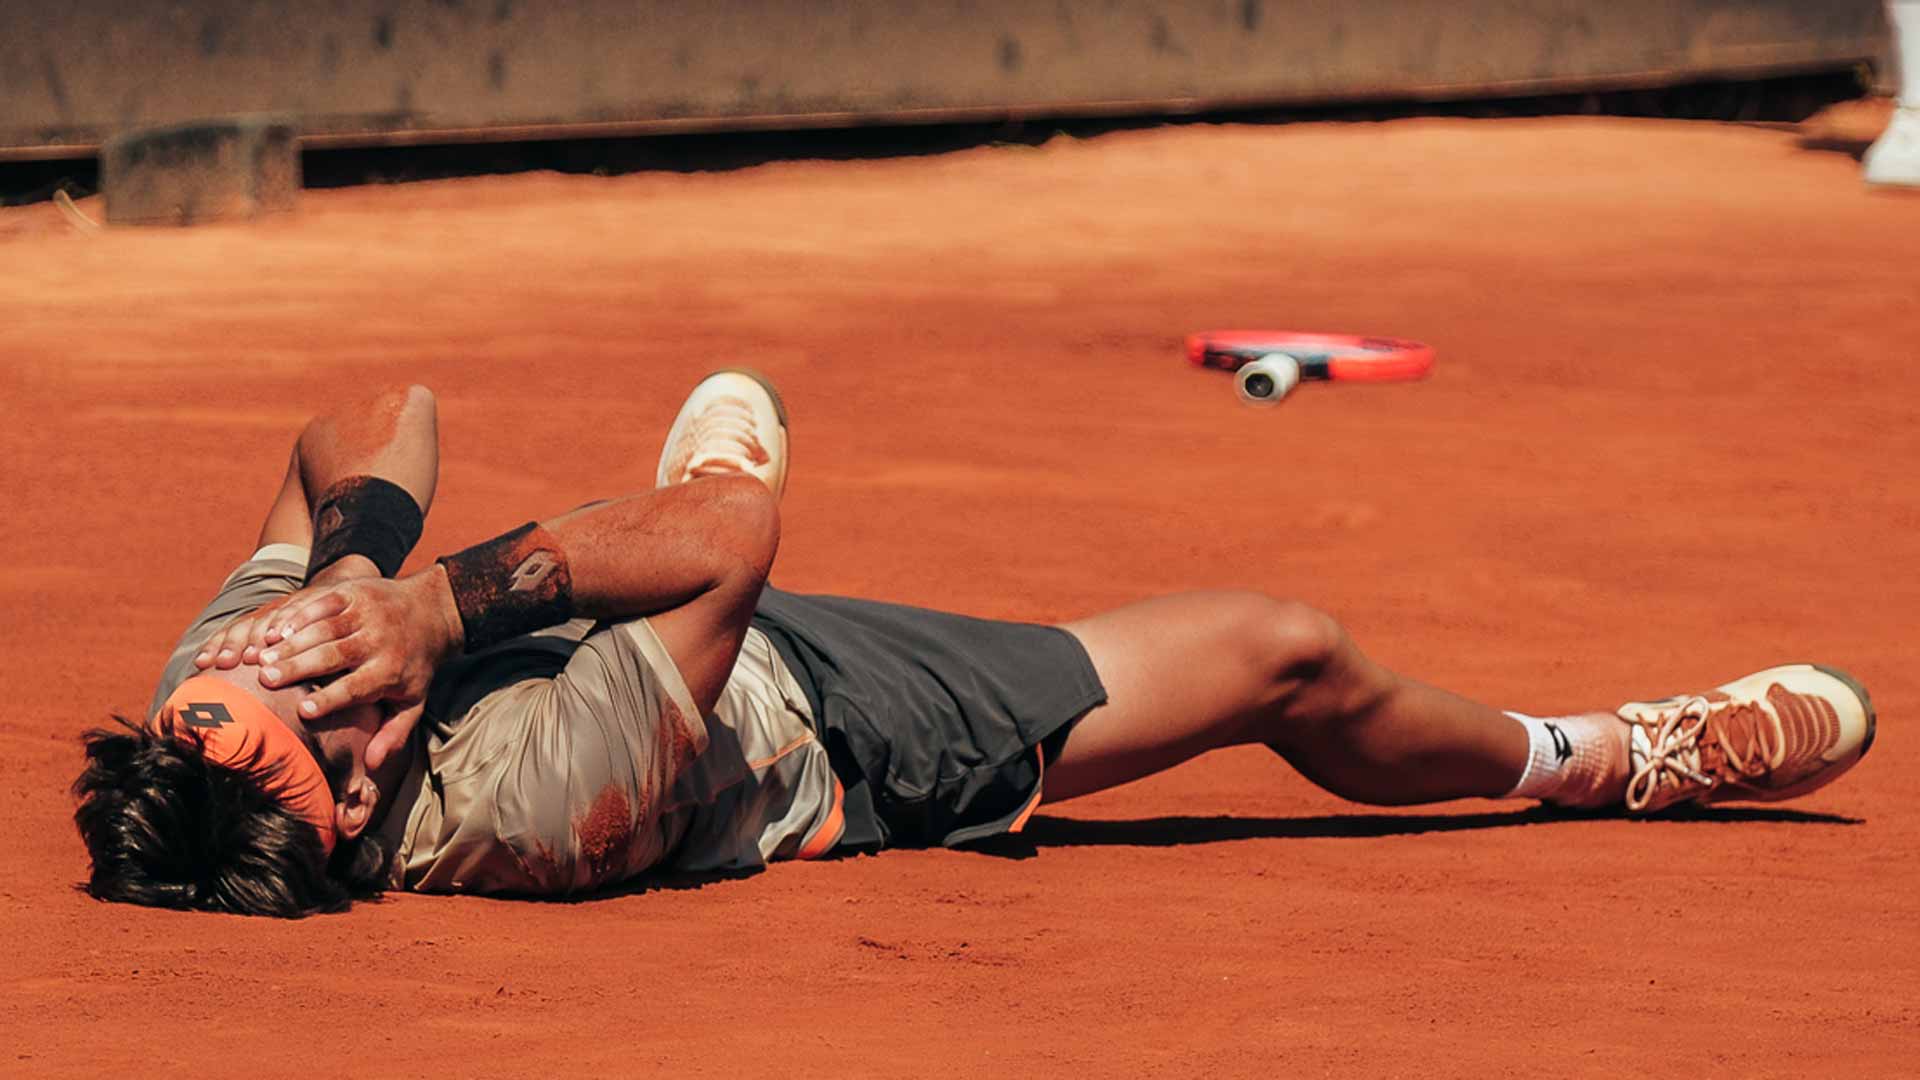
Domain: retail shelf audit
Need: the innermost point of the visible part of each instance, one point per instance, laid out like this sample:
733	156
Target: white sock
1903	16
1579	760
1549	755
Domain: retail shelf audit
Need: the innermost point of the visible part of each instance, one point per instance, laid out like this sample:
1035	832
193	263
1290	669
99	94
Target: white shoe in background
1895	158
732	422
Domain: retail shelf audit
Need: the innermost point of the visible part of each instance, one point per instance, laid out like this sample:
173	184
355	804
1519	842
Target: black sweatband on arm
364	515
513	584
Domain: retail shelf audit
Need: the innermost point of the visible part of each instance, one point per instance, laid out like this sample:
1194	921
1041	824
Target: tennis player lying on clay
614	691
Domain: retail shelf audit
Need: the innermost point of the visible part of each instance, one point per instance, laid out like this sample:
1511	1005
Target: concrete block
217	169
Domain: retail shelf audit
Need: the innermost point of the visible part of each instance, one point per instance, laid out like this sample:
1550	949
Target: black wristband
364	515
513	584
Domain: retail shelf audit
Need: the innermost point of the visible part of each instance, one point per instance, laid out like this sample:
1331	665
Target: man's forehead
284	703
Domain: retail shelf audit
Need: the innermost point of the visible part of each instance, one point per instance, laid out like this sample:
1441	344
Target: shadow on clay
1851	146
1177	831
1180	831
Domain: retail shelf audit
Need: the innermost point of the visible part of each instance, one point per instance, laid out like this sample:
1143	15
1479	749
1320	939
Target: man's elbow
401	416
419	398
413	406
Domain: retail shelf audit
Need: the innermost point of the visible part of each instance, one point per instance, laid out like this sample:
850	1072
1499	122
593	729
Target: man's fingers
227	649
262	620
393	734
288	623
311	636
320	660
354	688
233	642
209	653
240	641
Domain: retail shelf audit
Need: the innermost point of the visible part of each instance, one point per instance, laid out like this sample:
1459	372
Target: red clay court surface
1670	440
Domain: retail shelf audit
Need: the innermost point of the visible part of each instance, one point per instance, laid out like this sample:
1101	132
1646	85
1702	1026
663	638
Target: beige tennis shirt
574	757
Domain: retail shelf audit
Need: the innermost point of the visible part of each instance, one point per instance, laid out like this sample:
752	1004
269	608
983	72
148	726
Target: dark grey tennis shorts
937	725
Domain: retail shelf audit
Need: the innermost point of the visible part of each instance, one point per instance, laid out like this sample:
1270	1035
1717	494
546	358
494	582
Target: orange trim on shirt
830	830
796	744
1039	785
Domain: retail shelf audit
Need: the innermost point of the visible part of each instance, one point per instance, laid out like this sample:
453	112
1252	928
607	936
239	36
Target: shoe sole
779	403
1866	702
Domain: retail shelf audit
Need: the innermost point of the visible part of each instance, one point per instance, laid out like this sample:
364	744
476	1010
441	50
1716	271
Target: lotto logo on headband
205	714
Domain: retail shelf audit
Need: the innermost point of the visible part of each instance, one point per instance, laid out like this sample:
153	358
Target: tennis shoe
733	423
1773	735
1895	158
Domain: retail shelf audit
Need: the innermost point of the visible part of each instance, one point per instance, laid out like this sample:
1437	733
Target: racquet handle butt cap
1268	380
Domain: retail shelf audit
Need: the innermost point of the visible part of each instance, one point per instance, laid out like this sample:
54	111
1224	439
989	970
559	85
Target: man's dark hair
166	827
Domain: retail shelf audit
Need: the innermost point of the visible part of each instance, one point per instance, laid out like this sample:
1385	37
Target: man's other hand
383	639
244	638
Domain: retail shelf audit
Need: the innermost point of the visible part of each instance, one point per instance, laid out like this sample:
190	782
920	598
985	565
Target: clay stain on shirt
605	832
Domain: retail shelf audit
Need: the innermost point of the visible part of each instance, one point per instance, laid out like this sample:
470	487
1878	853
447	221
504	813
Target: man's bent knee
1285	640
743	525
1292	647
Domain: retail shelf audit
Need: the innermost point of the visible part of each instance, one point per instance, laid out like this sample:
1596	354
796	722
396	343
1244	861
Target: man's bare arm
694	556
393	437
289	519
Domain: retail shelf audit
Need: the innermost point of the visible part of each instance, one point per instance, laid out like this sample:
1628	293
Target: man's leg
1191	673
1188	674
732	424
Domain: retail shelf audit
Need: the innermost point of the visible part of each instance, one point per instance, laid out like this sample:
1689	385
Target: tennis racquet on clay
1268	364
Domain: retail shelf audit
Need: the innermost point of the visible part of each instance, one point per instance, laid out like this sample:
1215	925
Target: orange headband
237	730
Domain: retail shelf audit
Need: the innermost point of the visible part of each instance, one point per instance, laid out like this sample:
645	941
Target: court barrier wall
380	72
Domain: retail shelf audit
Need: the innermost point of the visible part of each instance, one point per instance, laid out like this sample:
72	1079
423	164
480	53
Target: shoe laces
723	438
1706	743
